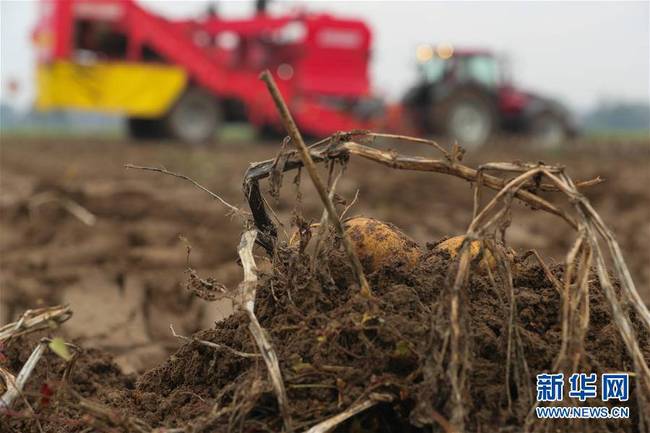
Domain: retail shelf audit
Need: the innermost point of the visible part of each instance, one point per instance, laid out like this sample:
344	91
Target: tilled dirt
124	278
336	347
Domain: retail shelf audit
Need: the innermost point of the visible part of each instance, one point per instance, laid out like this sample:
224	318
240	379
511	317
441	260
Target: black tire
548	131
195	117
145	129
270	134
468	117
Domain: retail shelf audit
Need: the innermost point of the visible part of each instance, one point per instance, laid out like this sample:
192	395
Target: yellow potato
452	247
377	244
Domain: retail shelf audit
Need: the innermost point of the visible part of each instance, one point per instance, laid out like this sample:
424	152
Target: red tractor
465	95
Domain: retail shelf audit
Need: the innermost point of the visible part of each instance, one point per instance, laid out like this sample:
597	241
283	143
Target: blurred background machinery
184	78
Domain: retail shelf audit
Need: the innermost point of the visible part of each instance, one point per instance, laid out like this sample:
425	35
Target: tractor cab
480	67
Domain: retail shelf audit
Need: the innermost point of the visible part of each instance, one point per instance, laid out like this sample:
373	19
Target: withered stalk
296	137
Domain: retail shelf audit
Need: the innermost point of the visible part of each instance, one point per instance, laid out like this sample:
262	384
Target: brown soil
335	348
124	278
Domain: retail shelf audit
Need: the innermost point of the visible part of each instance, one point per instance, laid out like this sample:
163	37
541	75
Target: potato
452	247
381	245
378	244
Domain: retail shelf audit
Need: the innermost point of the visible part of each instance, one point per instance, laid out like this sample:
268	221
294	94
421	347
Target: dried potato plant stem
574	289
515	358
296	137
325	151
453	168
247	301
35	320
412	139
547	272
214	345
458	339
15	388
331	423
593	224
321	229
232	208
588	213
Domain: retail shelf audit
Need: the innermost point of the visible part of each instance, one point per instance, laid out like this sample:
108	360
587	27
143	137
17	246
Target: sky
579	52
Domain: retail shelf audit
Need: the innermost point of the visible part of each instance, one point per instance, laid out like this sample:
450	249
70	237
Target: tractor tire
270	134
469	118
548	131
195	117
140	129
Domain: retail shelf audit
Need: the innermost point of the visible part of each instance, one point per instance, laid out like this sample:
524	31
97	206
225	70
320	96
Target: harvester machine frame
183	78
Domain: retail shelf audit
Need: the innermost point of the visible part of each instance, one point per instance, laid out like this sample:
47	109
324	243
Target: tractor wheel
548	131
145	129
270	134
469	118
195	117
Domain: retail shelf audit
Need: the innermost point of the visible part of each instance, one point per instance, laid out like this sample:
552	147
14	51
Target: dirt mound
337	347
94	376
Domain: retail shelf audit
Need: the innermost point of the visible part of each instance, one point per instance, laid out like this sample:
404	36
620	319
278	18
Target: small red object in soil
46	392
